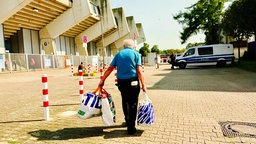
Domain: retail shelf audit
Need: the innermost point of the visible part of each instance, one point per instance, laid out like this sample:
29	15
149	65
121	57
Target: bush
86	74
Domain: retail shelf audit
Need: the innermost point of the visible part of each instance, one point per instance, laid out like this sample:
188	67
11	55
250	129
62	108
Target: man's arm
106	74
141	77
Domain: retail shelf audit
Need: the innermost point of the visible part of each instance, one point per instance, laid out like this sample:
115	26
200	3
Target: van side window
190	52
205	51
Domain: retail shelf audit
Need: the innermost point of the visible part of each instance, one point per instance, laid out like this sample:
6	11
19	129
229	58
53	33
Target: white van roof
212	45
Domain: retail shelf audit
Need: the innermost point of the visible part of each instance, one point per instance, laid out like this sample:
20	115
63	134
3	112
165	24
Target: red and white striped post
115	76
72	69
96	68
89	69
45	99
81	85
101	72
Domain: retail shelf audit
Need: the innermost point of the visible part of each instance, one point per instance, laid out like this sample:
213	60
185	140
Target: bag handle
98	91
101	92
104	91
145	97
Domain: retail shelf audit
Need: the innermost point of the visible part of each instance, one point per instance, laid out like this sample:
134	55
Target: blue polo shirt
126	61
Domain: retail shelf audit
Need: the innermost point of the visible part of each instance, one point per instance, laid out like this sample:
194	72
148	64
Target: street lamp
102	33
102	37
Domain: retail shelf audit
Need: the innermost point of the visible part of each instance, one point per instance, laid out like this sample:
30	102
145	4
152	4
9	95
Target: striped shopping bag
145	115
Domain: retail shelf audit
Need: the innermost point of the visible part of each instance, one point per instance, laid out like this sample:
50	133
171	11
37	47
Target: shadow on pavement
83	132
21	121
121	133
228	79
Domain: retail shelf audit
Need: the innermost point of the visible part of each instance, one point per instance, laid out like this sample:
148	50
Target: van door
190	56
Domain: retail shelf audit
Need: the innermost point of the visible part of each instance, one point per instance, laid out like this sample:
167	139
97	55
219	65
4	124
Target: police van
217	54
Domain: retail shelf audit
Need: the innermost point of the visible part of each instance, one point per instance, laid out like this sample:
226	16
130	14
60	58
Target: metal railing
10	62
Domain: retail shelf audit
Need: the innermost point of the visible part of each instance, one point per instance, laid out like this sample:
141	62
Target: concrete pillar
2	48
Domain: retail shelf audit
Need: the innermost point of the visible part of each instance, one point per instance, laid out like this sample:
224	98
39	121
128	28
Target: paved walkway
189	104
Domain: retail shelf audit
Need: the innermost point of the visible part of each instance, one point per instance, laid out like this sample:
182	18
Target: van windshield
190	52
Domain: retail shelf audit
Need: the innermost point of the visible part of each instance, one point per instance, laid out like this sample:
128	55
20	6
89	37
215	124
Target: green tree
235	21
193	44
144	50
169	51
204	15
164	52
239	21
155	49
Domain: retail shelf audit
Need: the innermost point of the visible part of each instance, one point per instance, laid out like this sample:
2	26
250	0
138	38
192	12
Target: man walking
129	75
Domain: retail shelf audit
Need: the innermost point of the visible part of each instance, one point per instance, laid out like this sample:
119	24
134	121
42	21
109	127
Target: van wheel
182	65
221	63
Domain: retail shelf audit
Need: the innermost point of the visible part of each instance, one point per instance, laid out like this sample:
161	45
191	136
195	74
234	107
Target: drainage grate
238	129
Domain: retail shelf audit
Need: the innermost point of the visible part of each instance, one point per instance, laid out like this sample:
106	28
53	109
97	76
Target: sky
157	21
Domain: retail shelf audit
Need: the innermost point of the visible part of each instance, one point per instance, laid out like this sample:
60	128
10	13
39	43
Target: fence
10	62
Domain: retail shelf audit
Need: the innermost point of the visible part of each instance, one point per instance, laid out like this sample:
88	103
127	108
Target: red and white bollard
115	76
89	69
96	67
45	99
101	72
81	85
72	69
142	67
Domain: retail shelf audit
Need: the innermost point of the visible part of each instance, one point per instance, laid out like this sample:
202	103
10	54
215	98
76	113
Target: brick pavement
188	106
